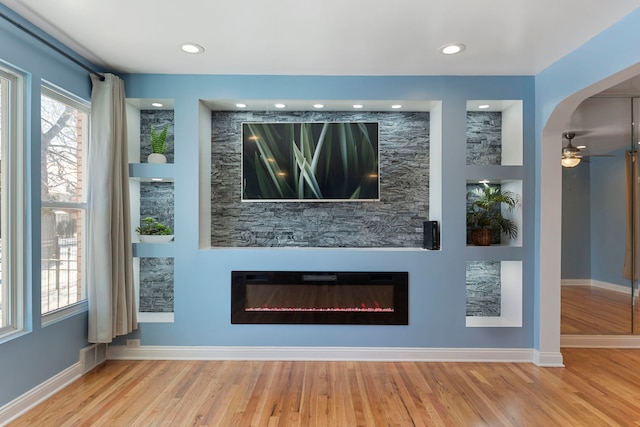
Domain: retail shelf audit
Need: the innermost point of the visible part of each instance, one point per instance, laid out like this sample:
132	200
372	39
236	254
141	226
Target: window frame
13	201
60	95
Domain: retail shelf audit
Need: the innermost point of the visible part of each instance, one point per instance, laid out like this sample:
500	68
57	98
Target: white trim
64	313
38	394
575	282
547	359
599	284
600	341
391	354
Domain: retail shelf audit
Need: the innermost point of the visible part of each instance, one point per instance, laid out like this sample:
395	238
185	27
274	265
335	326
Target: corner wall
31	359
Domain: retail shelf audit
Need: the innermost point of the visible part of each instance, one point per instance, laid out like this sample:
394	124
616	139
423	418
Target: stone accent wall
156	200
484	138
394	221
158	119
483	288
156	285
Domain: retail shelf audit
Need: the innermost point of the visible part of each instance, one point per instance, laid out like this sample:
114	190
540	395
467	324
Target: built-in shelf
514	186
494	132
508	299
152	194
495	156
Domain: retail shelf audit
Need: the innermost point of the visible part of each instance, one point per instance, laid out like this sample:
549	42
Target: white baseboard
22	404
600	341
598	284
523	355
548	360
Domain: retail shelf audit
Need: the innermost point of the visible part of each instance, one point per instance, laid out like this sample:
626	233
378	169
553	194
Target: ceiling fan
571	155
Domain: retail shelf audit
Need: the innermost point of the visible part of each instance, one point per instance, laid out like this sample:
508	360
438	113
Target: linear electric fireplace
295	297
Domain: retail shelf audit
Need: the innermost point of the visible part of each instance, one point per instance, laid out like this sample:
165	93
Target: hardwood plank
597	387
593	310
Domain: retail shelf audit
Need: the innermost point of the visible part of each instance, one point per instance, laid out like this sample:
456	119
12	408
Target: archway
550	214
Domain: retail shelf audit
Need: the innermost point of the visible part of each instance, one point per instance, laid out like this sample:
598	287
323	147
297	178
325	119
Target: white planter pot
155	238
156	158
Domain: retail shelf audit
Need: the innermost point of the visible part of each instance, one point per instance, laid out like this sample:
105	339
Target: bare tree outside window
64	125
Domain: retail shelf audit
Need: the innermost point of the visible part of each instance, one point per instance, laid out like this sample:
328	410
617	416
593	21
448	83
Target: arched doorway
550	214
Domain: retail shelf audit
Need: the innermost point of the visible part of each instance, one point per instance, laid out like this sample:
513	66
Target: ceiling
338	37
329	37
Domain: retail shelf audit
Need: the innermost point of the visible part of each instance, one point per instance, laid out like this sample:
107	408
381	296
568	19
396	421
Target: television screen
330	161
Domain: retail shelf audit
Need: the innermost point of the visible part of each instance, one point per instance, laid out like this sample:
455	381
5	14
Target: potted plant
152	231
485	215
158	145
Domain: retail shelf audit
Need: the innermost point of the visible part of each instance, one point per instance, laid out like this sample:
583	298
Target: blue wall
437	279
608	219
43	352
576	222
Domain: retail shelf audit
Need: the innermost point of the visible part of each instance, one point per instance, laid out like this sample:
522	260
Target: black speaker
431	238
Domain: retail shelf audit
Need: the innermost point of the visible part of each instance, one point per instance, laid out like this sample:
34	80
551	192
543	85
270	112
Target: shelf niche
141	117
153	277
494	133
494	294
514	186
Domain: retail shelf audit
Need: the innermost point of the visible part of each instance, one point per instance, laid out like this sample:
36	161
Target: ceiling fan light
570	162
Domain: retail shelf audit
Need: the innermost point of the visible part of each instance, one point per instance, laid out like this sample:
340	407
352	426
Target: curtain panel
110	287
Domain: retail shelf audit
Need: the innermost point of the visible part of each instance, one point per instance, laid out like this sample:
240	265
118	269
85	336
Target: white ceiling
343	37
329	37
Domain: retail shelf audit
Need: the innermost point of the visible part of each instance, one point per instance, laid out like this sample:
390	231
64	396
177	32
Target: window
12	303
64	136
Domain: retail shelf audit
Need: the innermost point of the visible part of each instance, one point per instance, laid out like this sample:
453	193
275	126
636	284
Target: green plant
151	227
485	209
159	140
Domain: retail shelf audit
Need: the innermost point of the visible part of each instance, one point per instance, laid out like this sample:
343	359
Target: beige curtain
632	202
112	305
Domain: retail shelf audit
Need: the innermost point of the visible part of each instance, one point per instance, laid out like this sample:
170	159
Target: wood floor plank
593	310
598	387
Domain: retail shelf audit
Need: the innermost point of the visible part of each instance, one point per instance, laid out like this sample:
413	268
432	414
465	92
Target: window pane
12	192
64	123
62	135
61	258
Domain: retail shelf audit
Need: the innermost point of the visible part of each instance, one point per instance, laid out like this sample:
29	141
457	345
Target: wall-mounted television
310	161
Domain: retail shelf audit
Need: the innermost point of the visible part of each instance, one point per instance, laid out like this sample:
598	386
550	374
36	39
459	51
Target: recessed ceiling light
241	105
358	106
396	106
156	104
581	147
318	106
452	48
484	106
157	179
484	181
191	48
279	105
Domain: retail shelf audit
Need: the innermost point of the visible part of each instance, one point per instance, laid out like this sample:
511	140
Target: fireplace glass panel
320	298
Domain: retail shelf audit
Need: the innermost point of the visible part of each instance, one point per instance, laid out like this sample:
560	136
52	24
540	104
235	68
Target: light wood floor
593	310
598	387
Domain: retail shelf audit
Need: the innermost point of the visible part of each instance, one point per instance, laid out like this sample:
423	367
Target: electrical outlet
133	343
